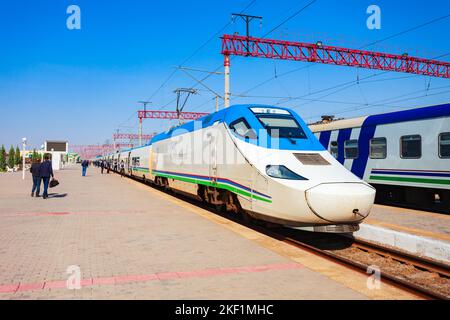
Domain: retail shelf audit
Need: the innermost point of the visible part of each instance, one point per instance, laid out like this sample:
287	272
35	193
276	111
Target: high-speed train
259	160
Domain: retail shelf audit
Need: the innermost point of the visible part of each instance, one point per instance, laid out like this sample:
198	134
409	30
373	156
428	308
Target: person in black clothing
102	165
122	168
84	165
46	171
36	173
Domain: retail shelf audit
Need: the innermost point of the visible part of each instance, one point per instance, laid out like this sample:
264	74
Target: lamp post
24	145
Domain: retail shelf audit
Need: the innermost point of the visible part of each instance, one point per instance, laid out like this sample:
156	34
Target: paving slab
127	241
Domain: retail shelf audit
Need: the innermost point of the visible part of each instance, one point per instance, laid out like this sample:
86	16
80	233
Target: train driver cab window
242	128
281	126
334	149
411	146
378	148
351	149
444	145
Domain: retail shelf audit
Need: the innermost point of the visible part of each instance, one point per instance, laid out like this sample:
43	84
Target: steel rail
409	286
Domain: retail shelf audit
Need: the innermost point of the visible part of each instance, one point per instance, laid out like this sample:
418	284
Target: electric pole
140	120
247	19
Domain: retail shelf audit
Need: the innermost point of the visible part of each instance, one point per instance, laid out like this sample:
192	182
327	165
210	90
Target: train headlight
281	172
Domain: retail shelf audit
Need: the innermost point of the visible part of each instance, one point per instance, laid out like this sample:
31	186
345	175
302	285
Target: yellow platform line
332	270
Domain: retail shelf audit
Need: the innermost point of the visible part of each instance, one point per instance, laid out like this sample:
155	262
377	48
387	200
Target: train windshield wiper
289	137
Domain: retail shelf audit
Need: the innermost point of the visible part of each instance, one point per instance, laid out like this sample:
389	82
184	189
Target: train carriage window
444	145
242	128
351	149
334	149
378	148
411	146
135	161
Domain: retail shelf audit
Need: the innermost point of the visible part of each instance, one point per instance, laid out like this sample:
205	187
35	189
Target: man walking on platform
46	171
102	165
36	173
84	166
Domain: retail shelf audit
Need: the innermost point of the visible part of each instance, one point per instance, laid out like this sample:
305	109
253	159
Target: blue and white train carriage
260	160
405	155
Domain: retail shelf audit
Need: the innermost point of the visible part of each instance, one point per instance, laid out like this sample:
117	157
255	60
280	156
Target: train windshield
282	126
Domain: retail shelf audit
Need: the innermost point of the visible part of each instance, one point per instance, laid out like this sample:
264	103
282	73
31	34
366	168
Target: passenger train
257	160
405	155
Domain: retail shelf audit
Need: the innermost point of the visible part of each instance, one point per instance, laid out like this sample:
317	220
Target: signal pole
140	120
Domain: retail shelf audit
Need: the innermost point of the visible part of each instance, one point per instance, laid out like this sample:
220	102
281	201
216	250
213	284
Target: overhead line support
319	53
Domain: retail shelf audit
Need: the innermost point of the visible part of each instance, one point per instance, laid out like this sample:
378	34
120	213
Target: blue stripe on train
412	173
359	164
343	135
207	178
325	138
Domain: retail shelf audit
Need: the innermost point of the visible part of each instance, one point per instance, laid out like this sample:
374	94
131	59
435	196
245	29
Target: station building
58	150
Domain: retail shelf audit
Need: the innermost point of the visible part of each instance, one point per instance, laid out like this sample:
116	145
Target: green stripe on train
211	184
405	179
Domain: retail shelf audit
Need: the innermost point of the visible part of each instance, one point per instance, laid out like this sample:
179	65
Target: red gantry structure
130	136
92	151
309	52
153	114
156	114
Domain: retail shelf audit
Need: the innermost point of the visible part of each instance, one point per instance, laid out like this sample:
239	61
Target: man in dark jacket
36	173
46	171
84	166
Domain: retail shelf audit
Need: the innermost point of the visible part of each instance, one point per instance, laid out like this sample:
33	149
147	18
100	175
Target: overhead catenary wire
384	102
278	26
173	72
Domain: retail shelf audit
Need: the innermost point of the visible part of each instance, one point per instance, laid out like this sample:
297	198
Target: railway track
426	278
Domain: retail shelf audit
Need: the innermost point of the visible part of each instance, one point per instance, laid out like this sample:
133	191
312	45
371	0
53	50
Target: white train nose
341	202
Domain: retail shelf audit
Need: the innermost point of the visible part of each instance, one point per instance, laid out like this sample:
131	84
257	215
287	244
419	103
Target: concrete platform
418	232
131	241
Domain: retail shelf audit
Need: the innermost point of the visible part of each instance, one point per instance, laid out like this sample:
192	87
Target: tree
2	159
34	156
11	157
18	158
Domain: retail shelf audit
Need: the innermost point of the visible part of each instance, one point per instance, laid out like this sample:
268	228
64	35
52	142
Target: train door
129	162
150	163
259	189
212	161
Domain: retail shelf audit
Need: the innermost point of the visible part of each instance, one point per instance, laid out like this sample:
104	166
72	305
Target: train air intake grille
312	159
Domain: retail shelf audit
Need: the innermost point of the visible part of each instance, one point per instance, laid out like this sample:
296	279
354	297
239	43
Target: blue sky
82	85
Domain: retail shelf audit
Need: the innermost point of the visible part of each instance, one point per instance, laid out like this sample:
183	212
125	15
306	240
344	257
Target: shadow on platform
57	195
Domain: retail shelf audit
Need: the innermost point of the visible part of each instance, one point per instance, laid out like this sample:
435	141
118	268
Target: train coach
256	160
405	155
